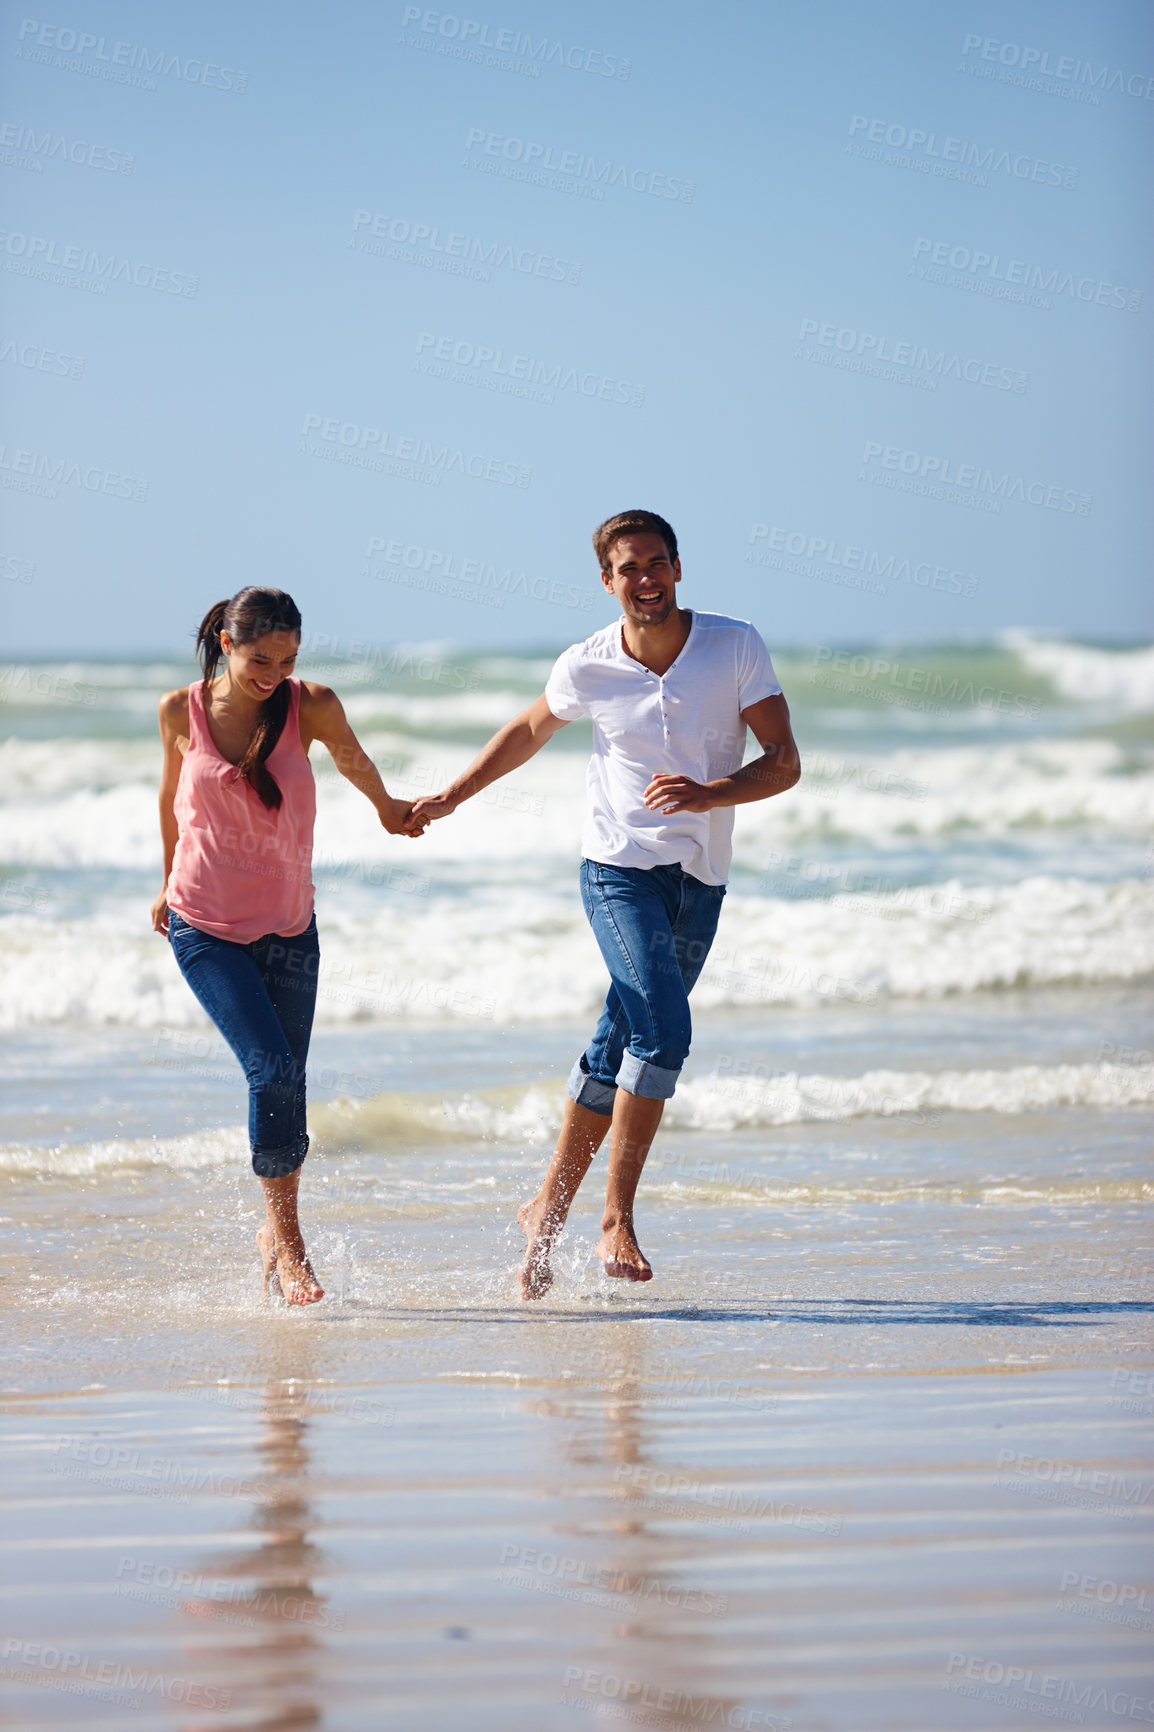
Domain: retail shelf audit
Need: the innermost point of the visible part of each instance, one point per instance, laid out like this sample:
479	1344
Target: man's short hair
631	523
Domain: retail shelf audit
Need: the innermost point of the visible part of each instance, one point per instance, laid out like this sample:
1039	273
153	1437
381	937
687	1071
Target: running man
670	693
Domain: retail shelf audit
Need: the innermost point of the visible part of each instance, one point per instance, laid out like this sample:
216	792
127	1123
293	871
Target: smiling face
643	578
256	669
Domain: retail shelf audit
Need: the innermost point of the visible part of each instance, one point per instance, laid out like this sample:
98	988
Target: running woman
237	804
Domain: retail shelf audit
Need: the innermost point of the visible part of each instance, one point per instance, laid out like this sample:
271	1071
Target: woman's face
257	668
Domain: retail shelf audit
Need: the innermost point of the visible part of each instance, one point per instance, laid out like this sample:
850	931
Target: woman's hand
160	913
401	818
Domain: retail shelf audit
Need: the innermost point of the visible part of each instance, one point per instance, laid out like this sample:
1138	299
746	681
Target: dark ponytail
252	613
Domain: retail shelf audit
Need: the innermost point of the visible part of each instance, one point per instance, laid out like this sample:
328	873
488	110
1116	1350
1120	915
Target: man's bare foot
287	1270
535	1275
622	1256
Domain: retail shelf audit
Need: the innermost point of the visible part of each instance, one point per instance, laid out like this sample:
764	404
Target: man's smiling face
642	577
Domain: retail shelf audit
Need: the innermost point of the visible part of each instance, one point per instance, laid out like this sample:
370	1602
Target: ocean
875	1399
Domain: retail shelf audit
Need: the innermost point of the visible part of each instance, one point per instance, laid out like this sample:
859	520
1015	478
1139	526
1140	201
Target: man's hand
431	806
679	794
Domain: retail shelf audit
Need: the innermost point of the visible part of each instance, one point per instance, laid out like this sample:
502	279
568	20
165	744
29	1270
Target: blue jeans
261	997
654	927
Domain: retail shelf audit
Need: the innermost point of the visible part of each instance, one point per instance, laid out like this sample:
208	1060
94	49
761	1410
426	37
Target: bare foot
287	1269
270	1282
622	1256
535	1275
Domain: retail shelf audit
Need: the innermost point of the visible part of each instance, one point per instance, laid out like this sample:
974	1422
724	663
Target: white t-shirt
687	722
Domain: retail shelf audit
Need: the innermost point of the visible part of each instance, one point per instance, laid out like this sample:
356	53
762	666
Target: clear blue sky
750	233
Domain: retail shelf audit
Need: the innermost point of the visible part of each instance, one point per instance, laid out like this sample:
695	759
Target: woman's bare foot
297	1281
288	1274
267	1248
621	1255
535	1275
282	1245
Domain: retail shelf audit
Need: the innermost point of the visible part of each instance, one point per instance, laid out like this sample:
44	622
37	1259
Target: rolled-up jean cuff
588	1092
279	1163
652	1081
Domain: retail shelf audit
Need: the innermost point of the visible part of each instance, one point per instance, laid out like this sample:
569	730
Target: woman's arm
323	718
172	713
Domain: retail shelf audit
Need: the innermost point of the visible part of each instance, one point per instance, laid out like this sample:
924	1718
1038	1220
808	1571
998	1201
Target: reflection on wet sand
660	1646
271	1595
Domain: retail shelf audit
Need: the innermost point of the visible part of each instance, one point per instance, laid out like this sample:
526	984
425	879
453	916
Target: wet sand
872	1451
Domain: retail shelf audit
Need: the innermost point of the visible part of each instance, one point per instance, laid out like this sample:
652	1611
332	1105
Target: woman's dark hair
252	613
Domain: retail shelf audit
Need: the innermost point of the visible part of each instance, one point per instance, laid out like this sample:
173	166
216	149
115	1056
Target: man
670	693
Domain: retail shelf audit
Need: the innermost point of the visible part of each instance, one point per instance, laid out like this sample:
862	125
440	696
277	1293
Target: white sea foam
523	955
80	803
1121	678
445	710
732	1101
530	1116
942	795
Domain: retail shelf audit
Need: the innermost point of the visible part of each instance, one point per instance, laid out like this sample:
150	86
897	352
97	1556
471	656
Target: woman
237	804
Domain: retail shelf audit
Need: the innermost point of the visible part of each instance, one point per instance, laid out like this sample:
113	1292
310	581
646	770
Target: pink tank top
242	869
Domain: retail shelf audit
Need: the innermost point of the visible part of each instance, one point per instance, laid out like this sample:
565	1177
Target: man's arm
777	769
512	746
